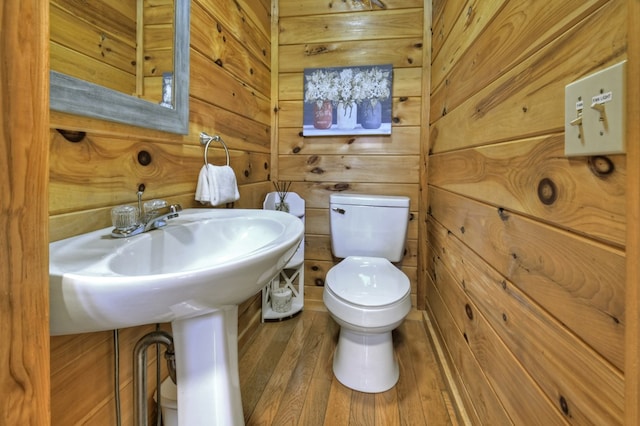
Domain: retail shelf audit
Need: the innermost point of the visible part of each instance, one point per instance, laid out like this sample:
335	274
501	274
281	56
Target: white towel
217	185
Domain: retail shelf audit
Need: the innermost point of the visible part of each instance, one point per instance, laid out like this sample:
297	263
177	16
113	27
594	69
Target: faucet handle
124	218
153	205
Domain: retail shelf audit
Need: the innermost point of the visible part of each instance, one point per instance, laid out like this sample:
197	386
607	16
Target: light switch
594	111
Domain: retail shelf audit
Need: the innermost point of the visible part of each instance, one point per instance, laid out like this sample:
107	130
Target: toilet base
365	362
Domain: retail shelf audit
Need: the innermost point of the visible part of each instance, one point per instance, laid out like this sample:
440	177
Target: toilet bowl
368	297
168	403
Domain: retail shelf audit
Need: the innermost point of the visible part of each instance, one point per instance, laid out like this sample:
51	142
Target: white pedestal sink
206	349
192	273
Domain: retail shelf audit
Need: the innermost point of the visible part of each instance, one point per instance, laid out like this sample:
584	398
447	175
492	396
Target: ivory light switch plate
595	113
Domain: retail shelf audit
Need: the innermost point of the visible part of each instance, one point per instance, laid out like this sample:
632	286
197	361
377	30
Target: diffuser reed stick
282	188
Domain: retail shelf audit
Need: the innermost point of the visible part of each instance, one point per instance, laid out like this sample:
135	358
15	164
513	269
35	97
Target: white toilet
365	293
168	403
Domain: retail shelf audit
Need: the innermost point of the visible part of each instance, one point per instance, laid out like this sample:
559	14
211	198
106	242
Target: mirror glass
123	61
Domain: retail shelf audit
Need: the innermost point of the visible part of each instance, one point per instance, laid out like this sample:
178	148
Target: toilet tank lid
370	200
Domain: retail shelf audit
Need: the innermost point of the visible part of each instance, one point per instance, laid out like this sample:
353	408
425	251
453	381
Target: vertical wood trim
275	100
443	363
140	47
421	290
632	308
24	295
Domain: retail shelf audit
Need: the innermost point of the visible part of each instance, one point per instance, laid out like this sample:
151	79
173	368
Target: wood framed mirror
79	96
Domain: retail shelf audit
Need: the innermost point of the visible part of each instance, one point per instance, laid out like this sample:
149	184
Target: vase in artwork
371	114
322	114
347	115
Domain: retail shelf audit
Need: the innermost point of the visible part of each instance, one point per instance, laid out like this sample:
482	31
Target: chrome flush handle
338	210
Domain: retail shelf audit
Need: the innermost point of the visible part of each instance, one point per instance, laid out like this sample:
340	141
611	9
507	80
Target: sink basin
202	260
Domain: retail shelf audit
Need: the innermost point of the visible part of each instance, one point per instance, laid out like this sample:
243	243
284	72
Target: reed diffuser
282	188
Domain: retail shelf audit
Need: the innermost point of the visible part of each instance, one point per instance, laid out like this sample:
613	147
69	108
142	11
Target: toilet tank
368	225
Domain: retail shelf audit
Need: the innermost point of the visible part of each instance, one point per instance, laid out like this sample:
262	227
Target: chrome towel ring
206	139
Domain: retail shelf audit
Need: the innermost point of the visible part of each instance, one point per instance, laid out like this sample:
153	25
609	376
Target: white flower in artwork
346	85
376	85
321	86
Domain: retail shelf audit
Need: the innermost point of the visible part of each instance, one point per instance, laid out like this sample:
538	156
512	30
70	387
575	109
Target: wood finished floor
286	378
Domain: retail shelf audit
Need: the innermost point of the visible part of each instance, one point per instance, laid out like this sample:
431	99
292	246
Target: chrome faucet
128	222
157	218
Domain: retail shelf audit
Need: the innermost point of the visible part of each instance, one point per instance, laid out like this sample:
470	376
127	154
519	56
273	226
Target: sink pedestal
206	349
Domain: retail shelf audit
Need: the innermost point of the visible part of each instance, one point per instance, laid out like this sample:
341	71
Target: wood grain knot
601	166
316	51
338	187
564	406
547	191
72	135
144	158
468	311
319	282
504	216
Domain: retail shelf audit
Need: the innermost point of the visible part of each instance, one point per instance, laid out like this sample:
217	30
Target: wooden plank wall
230	96
338	33
24	299
157	53
526	247
97	43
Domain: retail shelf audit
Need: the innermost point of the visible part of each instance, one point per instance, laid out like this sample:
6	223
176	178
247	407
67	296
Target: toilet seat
367	294
369	282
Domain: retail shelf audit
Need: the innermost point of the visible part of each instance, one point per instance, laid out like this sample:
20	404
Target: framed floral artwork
347	100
